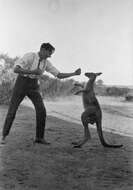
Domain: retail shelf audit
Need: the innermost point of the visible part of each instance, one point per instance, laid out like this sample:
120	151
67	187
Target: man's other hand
37	72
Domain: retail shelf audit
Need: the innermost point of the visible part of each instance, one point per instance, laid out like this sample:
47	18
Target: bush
116	91
51	87
7	78
5	92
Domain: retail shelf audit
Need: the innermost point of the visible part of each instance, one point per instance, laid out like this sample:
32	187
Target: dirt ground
25	166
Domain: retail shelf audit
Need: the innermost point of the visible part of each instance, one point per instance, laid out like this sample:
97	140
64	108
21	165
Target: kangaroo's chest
89	99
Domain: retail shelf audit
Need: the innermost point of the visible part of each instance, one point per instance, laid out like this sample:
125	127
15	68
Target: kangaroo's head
92	75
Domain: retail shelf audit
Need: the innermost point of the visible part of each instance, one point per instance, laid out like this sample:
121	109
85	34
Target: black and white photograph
66	95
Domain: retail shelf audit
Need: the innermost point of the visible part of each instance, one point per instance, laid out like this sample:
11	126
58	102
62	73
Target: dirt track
24	166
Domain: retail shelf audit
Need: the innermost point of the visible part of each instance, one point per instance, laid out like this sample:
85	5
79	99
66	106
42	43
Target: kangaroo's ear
97	74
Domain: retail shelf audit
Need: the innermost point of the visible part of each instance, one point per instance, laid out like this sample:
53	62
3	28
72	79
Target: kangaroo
92	112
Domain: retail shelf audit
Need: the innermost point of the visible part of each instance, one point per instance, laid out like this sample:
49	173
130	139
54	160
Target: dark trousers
25	86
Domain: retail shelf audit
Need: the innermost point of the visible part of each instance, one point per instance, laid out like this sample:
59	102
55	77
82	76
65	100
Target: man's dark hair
47	46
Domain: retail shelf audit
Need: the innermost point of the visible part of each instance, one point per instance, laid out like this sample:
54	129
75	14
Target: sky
95	35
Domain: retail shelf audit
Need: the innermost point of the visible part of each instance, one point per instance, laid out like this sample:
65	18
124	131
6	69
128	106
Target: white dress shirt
30	61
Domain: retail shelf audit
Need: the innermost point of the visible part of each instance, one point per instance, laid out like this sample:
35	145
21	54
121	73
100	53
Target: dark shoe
3	141
41	141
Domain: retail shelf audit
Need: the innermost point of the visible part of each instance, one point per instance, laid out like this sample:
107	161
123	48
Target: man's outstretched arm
67	75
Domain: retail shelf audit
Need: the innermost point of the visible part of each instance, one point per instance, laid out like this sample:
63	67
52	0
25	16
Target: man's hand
37	71
20	70
78	72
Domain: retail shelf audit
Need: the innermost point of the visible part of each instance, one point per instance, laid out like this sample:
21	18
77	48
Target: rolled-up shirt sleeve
19	62
51	69
25	62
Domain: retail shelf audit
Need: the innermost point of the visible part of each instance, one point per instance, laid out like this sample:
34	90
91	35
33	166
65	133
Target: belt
29	76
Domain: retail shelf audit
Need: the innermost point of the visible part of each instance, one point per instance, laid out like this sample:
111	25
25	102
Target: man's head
46	50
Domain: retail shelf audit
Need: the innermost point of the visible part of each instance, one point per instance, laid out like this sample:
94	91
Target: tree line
50	87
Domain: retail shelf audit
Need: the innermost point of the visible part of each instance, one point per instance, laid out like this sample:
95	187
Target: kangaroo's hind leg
85	121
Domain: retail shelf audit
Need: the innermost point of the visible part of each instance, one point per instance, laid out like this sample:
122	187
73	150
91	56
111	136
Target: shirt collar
37	54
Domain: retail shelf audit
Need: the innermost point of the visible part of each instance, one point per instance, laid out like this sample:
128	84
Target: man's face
44	54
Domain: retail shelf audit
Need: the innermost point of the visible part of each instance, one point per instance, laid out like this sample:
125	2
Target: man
29	69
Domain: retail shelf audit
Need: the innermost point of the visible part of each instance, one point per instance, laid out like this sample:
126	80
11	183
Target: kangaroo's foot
41	141
80	143
112	146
